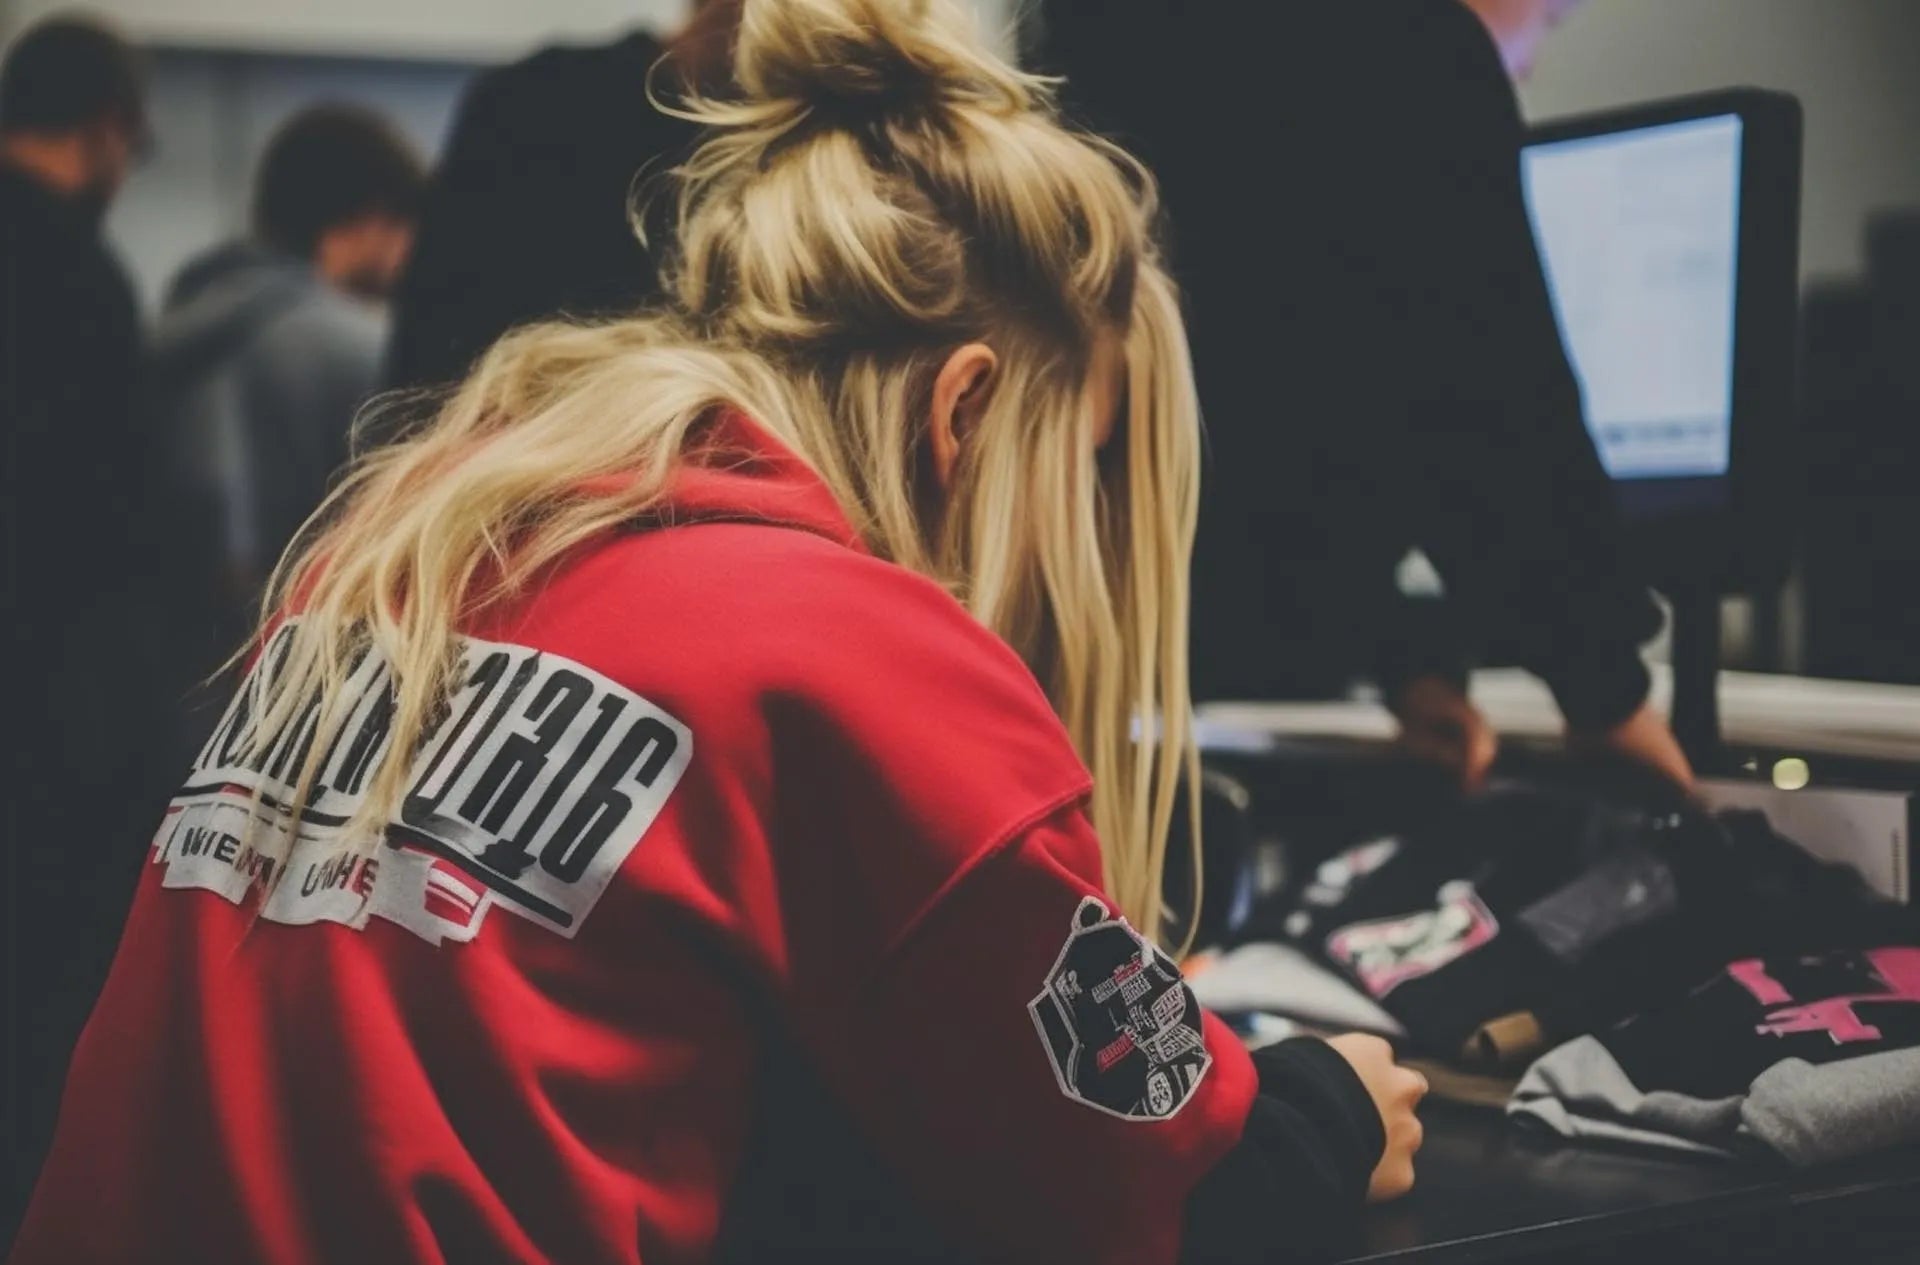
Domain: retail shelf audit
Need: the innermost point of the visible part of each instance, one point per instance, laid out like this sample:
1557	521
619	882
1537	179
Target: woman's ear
960	392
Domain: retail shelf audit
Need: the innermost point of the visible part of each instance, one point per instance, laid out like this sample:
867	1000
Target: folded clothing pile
1812	1058
1522	919
1280	980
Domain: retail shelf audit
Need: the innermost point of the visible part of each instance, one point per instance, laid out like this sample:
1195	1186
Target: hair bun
872	57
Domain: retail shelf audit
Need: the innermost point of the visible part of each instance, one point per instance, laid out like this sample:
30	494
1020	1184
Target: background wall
212	115
226	73
1854	64
457	30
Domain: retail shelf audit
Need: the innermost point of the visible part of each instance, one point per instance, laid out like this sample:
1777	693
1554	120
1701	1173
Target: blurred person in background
72	122
529	213
1378	359
267	348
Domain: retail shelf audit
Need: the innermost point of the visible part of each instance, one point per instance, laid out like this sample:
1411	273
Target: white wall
460	30
225	73
212	113
457	30
1854	64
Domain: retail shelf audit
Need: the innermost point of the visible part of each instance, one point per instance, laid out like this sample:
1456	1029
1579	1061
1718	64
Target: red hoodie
728	799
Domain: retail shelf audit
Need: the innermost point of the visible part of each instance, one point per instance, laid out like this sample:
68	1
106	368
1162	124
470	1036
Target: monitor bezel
1745	541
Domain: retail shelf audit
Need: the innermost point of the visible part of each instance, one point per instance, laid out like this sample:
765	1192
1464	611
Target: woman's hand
1644	739
1440	726
1396	1091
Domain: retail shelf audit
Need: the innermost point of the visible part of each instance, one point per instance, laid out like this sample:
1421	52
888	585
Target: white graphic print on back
533	789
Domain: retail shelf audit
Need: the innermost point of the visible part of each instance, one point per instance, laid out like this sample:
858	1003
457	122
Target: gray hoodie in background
258	367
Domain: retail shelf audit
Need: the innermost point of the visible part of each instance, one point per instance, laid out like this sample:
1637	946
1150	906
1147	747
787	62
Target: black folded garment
1813	1058
1571	909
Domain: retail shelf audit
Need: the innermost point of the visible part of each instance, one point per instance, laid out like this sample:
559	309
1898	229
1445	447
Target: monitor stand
1696	675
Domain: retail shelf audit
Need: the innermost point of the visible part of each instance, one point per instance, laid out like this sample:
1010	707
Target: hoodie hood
739	473
222	299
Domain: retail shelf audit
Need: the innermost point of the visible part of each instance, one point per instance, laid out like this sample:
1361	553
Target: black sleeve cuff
1292	1188
1313	1076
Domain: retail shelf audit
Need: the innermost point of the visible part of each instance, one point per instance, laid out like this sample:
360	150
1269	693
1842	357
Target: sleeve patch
1118	1023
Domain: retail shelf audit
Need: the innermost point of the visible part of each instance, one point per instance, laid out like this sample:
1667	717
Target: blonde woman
688	806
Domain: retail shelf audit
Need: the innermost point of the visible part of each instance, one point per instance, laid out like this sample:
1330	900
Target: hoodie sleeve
1037	1075
1044	1078
1299	1174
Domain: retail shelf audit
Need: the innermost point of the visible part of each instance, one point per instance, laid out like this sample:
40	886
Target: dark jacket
527	215
1379	362
78	607
69	343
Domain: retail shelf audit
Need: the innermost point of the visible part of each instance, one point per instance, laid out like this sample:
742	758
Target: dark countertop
1489	1191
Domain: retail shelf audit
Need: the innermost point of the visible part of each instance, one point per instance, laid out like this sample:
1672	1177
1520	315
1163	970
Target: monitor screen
1639	230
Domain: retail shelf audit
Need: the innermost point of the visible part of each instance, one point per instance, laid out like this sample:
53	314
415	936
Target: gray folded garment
1805	1113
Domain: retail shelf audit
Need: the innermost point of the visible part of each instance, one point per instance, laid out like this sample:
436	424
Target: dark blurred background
225	73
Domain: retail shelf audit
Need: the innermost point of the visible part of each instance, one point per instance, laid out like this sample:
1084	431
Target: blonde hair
880	191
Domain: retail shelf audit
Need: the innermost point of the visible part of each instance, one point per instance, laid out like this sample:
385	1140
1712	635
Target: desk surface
1843	718
1490	1192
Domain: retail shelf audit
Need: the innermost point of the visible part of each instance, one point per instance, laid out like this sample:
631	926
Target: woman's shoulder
782	650
729	609
754	580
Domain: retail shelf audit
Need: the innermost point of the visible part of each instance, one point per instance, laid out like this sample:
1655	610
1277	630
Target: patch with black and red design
1120	1025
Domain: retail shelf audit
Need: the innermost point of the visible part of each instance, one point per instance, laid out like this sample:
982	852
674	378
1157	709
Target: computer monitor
1669	233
